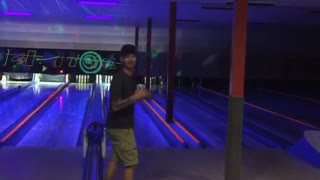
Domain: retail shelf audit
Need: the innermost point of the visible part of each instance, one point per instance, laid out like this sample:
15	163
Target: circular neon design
90	62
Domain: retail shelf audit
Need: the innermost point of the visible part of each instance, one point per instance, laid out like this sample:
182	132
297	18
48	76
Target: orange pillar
237	77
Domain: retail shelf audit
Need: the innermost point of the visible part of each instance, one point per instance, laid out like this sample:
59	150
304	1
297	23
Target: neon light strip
99	17
17	14
98	3
26	119
165	123
177	122
292	95
283	116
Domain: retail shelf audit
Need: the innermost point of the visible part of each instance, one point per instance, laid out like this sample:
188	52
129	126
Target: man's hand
140	94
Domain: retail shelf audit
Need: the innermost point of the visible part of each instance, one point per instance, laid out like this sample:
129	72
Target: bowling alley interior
235	88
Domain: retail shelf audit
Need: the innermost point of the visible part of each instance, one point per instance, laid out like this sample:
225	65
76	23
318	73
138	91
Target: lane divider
29	116
266	110
178	123
283	116
292	95
180	139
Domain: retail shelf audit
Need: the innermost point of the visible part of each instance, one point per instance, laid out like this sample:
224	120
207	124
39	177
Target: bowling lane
147	133
12	109
61	124
268	125
189	110
207	127
306	111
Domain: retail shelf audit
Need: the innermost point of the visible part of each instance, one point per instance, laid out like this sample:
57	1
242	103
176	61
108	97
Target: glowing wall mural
50	61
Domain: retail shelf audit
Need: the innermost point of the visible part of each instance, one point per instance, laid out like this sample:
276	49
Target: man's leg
128	173
113	164
130	156
112	167
125	150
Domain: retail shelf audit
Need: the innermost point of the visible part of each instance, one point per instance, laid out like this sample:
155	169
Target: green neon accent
90	62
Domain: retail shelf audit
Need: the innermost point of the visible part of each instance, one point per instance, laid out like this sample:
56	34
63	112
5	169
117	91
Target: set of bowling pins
82	78
108	79
103	79
153	80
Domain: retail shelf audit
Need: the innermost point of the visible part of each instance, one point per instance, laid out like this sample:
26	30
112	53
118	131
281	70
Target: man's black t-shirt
122	87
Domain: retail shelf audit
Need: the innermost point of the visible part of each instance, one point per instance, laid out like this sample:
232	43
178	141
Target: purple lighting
17	14
99	17
98	3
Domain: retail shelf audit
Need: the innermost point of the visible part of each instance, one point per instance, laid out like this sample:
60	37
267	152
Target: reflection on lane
12	109
61	124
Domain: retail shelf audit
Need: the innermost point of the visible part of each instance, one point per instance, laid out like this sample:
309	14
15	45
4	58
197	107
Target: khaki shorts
124	148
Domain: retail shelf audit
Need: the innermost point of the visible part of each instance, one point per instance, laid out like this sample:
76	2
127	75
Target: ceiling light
100	17
10	13
104	3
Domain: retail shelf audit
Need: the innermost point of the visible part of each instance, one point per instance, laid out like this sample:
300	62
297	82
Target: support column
237	77
136	44
148	62
171	61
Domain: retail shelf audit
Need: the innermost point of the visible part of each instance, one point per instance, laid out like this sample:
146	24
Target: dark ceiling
136	12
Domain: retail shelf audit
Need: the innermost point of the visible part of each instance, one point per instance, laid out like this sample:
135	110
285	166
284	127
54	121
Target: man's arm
116	89
118	104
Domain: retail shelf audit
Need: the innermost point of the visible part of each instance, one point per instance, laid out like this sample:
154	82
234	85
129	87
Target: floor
156	164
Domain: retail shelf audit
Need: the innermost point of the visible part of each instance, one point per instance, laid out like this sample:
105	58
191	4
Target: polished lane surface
13	109
61	124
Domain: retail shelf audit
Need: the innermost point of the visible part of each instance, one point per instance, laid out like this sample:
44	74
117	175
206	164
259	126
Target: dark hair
127	49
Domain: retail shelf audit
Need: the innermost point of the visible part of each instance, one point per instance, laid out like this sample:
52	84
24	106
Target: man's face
129	61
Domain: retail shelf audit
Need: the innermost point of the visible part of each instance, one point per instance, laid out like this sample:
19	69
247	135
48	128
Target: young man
123	95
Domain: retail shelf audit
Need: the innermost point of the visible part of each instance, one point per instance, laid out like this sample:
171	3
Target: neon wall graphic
50	61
